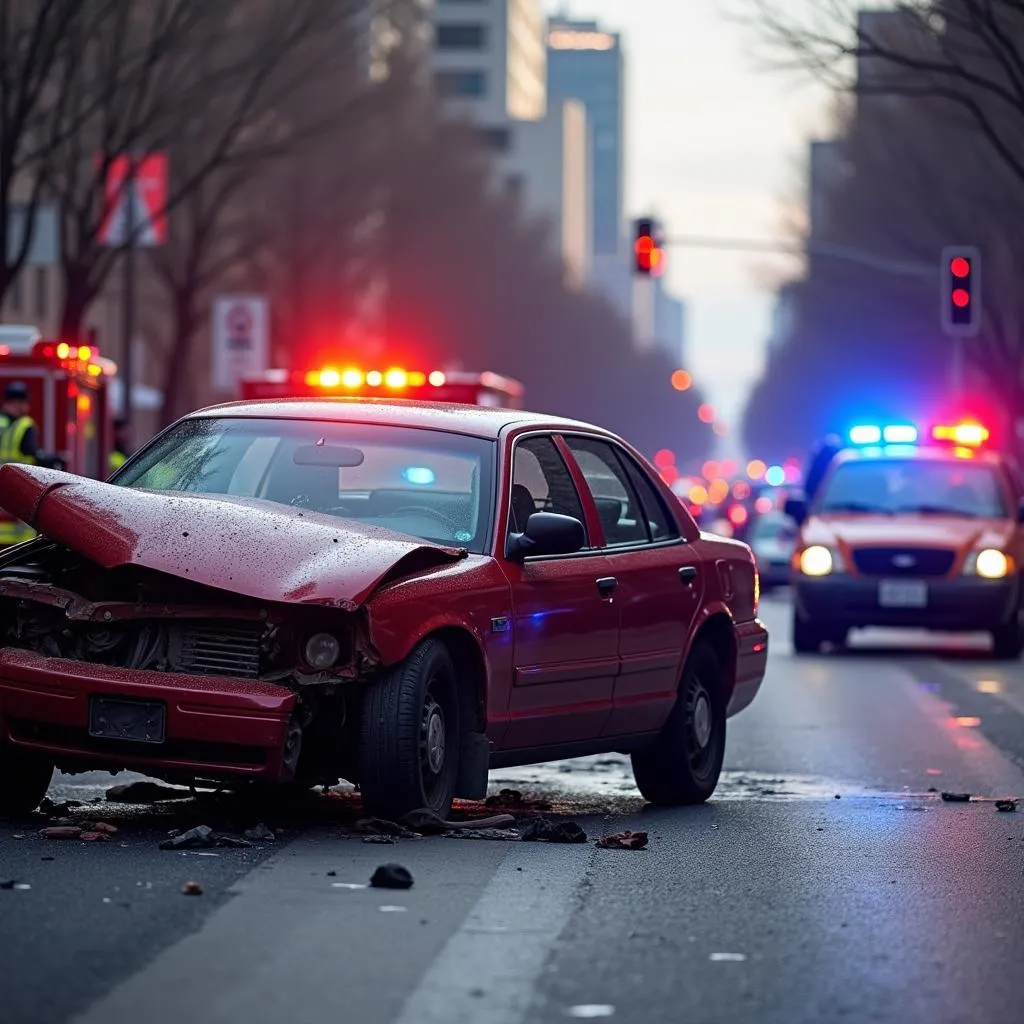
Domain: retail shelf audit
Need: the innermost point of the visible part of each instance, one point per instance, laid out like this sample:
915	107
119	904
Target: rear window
914	486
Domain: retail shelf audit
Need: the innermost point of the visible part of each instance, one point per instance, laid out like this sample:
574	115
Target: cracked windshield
511	511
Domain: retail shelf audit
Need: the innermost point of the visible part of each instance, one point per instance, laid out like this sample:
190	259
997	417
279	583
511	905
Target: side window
617	505
541	483
659	520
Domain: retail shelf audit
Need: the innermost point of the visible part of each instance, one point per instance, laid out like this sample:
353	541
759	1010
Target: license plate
902	594
137	721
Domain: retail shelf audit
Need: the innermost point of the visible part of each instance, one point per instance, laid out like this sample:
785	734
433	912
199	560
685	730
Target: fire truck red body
69	392
489	389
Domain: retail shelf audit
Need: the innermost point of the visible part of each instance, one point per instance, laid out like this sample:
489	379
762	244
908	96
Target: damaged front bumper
212	726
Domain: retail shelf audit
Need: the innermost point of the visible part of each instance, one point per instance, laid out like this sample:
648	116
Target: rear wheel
684	763
24	779
409	750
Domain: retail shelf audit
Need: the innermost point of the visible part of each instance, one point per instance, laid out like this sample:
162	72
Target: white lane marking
590	1011
736	958
503	945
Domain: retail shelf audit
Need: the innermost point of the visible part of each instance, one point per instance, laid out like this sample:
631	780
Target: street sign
241	339
135	193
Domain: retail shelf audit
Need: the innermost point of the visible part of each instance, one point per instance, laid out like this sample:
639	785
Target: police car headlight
322	651
989	564
818	560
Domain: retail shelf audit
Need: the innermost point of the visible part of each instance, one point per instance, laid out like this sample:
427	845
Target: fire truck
488	389
69	392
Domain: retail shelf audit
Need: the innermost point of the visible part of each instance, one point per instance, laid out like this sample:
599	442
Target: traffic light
648	256
961	290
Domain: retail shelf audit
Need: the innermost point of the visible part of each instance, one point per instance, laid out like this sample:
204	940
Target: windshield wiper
938	510
854	506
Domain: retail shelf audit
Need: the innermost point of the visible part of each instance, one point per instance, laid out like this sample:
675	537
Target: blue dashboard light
418	475
865	434
900	434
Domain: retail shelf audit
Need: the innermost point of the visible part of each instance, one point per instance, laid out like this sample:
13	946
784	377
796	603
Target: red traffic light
961	298
960	267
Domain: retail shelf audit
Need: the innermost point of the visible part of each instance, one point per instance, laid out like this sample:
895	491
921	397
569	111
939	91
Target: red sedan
399	594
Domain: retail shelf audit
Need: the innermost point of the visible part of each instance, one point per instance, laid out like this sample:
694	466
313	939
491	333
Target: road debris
55	810
203	837
11	883
623	841
543	830
145	793
513	799
1006	806
260	833
736	958
497	834
955	798
380	840
428	823
61	832
192	889
391	876
95	837
380	827
591	1011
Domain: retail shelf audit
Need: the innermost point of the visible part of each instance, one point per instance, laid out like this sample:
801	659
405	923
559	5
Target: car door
565	620
659	582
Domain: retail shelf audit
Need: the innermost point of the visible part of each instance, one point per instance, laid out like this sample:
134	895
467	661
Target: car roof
472	420
923	453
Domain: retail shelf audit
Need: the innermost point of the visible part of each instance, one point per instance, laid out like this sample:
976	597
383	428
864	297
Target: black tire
684	763
409	749
24	779
807	636
1008	641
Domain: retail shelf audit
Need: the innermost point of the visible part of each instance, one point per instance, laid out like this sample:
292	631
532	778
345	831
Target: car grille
903	561
217	649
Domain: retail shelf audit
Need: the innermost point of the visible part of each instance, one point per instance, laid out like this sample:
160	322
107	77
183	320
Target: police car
911	529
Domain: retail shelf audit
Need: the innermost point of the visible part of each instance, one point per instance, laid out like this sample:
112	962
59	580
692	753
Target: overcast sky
715	146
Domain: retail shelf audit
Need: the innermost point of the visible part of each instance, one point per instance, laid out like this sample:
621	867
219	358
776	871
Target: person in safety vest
122	444
18	443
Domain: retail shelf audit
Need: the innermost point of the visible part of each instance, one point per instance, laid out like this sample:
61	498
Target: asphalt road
827	881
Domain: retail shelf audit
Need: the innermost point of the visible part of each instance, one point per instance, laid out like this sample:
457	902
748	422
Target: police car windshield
951	487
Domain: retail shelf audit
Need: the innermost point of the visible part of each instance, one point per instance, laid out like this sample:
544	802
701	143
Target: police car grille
903	561
218	649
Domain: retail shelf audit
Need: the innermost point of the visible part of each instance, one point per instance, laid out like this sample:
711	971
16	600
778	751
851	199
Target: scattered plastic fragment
623	841
192	889
956	798
391	876
61	832
542	830
201	835
1006	806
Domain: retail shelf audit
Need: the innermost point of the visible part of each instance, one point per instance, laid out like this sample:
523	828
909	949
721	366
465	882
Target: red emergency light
968	434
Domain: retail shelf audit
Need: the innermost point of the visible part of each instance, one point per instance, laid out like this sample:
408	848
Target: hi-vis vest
12	434
117	460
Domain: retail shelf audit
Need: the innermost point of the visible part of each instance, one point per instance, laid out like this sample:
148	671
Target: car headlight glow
322	651
816	561
991	564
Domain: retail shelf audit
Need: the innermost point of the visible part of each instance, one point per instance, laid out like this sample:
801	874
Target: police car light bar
964	434
894	433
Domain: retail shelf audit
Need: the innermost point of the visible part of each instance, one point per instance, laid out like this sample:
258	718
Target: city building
825	172
489	67
586	63
669	323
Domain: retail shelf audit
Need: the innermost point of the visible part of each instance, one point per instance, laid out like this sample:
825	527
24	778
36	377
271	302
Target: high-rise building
489	66
669	323
489	58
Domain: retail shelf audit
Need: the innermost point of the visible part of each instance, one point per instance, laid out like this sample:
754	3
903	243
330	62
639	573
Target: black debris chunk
391	876
194	838
7	883
260	834
956	798
144	793
1006	806
543	830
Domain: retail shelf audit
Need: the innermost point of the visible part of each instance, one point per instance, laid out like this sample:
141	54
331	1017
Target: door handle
606	584
688	573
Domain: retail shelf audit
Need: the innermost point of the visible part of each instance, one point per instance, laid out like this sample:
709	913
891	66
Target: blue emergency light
893	433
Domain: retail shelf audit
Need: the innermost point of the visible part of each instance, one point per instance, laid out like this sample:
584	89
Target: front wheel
24	779
684	763
1008	641
409	750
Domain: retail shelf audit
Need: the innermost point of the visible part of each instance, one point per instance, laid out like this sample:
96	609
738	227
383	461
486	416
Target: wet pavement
827	880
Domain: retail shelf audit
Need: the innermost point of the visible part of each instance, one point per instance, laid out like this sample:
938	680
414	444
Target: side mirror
796	509
1020	511
547	534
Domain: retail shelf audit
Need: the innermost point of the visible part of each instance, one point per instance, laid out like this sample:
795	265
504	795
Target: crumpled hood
243	545
854	531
